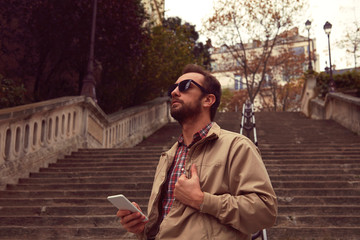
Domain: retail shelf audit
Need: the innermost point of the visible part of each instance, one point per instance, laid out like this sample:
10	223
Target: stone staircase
67	200
314	167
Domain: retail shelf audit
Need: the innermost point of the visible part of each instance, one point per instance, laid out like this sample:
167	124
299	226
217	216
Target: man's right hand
132	222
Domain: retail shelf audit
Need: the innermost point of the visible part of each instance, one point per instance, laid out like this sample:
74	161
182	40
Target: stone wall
34	135
342	108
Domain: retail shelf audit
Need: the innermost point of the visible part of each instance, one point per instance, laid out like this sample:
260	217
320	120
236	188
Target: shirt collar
197	136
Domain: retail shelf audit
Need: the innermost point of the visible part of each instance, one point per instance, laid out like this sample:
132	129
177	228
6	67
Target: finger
193	171
138	228
136	205
182	177
131	220
123	213
135	225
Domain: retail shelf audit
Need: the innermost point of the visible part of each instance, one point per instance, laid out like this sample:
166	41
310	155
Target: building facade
226	68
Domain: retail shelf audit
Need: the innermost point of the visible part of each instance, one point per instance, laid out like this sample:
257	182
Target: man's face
187	104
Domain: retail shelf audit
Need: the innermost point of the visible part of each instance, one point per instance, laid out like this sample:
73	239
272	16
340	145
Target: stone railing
34	135
342	108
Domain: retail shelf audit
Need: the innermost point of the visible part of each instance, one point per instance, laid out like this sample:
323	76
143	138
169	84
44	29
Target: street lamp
88	87
327	29
308	26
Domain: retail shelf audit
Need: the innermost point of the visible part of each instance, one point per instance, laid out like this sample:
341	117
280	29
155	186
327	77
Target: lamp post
88	87
308	26
327	29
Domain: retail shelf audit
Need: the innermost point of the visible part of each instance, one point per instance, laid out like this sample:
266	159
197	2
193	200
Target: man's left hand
188	191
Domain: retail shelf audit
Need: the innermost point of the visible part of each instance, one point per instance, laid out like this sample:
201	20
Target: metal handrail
248	123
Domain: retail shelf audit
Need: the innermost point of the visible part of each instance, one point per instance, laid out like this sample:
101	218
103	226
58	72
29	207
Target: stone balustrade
342	108
34	135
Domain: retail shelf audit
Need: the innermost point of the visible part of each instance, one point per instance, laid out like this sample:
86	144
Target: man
212	184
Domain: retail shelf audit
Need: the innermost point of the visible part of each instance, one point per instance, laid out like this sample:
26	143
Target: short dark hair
211	84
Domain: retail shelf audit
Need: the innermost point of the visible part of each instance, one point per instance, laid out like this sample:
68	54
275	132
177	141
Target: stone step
129	193
116	156
82	186
316	184
105	179
96	169
312	220
266	159
70	174
103	164
86	201
314	233
318	200
308	177
311	171
106	208
103	158
320	162
148	178
281	192
64	232
79	221
147	185
283	148
312	165
345	167
319	210
329	156
98	151
334	192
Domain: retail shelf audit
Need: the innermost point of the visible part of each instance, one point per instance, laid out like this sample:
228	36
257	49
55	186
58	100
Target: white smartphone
121	202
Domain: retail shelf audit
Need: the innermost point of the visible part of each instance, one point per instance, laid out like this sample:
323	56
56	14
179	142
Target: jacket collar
213	133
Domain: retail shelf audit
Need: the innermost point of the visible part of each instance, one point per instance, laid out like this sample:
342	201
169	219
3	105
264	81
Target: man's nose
175	92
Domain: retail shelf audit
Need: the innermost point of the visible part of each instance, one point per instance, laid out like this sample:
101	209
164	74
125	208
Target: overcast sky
340	13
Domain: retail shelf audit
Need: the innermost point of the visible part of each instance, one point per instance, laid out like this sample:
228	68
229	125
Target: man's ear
209	100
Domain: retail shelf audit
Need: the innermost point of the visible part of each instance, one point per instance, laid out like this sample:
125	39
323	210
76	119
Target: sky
340	13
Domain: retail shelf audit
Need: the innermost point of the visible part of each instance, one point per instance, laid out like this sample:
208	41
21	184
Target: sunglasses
184	86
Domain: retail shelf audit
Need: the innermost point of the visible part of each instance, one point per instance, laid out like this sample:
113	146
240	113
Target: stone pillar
308	94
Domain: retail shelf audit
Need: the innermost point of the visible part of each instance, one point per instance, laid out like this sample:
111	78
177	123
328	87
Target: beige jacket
239	199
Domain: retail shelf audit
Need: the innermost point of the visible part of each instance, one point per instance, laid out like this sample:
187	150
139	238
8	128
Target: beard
185	112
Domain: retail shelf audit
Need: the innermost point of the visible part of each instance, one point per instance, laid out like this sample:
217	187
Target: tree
351	41
172	45
11	93
261	22
50	41
287	67
46	44
232	101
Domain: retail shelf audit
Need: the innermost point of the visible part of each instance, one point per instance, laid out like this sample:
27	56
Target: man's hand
132	222
188	191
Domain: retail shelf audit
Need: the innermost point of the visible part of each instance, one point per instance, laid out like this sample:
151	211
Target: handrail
248	123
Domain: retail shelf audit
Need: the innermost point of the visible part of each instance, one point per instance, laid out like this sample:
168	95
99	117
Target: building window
238	82
299	50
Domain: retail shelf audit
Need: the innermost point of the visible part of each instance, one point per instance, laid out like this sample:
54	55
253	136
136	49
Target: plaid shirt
178	167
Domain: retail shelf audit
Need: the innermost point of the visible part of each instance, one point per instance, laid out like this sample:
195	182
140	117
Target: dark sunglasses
184	86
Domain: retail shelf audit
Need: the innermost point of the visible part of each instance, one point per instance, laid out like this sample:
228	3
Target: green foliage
46	43
226	97
232	101
170	49
50	41
348	82
12	93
